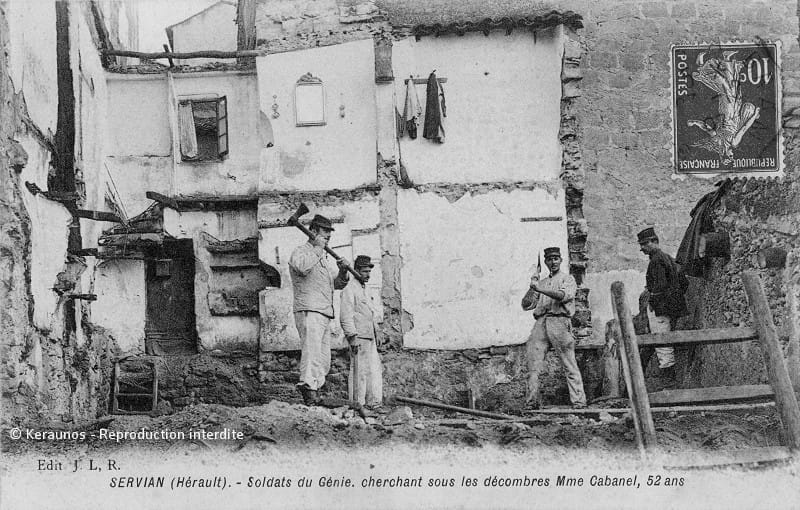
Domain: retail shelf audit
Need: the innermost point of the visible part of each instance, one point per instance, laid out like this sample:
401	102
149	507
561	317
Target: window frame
221	111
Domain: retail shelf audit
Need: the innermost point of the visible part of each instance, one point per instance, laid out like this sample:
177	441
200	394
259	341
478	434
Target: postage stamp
726	108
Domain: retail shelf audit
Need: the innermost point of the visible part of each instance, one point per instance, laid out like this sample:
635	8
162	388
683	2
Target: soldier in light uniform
553	303
360	327
314	283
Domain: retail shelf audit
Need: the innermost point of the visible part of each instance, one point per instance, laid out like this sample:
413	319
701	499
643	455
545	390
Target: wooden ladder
122	396
780	387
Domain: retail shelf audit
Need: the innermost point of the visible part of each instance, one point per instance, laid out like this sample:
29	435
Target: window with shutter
204	129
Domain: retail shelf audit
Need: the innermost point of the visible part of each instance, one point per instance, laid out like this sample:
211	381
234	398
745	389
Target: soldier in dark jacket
666	303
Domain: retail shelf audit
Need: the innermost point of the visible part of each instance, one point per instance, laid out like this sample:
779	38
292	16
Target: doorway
170	316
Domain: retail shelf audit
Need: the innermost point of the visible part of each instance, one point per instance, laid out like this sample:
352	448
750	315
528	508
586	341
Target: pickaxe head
303	209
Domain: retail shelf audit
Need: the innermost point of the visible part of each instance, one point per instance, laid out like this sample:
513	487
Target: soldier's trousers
555	331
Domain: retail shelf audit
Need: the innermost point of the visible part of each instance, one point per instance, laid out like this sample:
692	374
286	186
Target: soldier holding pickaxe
314	283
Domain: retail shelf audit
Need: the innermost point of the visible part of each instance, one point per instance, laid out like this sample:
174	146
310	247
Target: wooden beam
166	49
785	398
437	405
185	55
246	24
86	252
163	200
528	219
634	375
718	408
96	215
698	336
131	240
716	394
423	81
56	196
85	297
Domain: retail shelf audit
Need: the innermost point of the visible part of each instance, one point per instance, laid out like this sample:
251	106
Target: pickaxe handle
356	371
296	223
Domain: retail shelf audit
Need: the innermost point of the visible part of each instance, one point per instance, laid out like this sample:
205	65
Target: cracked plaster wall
48	372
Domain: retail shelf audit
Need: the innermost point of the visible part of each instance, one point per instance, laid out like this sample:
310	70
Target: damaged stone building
146	202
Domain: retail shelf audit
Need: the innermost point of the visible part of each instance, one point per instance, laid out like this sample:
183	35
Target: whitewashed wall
120	305
211	29
467	264
139	138
503	99
340	154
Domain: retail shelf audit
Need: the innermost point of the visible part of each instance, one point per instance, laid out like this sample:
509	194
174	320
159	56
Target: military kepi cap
322	222
646	235
553	251
363	261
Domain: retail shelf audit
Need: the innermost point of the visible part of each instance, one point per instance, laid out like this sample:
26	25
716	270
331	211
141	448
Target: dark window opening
204	129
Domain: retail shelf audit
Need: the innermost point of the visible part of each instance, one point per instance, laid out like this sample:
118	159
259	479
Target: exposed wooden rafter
186	55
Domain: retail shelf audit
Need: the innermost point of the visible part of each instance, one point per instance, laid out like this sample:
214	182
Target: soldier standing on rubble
666	302
553	303
360	327
313	285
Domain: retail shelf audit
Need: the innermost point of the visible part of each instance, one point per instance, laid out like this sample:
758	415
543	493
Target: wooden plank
698	336
750	457
634	375
785	398
710	395
96	215
714	408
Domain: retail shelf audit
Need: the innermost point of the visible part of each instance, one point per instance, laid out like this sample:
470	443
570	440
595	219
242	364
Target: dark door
169	276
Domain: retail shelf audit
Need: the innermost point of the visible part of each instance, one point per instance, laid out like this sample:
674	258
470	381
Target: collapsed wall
56	365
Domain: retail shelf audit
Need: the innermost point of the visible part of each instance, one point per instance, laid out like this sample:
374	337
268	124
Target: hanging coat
688	255
435	111
411	111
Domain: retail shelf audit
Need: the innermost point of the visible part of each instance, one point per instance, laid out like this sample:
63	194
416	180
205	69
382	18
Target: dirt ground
280	423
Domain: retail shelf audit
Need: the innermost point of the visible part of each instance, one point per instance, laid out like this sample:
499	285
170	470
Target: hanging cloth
411	111
188	134
688	255
435	110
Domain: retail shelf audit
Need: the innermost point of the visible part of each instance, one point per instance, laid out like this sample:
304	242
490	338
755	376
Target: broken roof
458	16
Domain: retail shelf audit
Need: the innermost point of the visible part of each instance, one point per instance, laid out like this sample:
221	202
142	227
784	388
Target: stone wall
759	215
625	120
624	111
